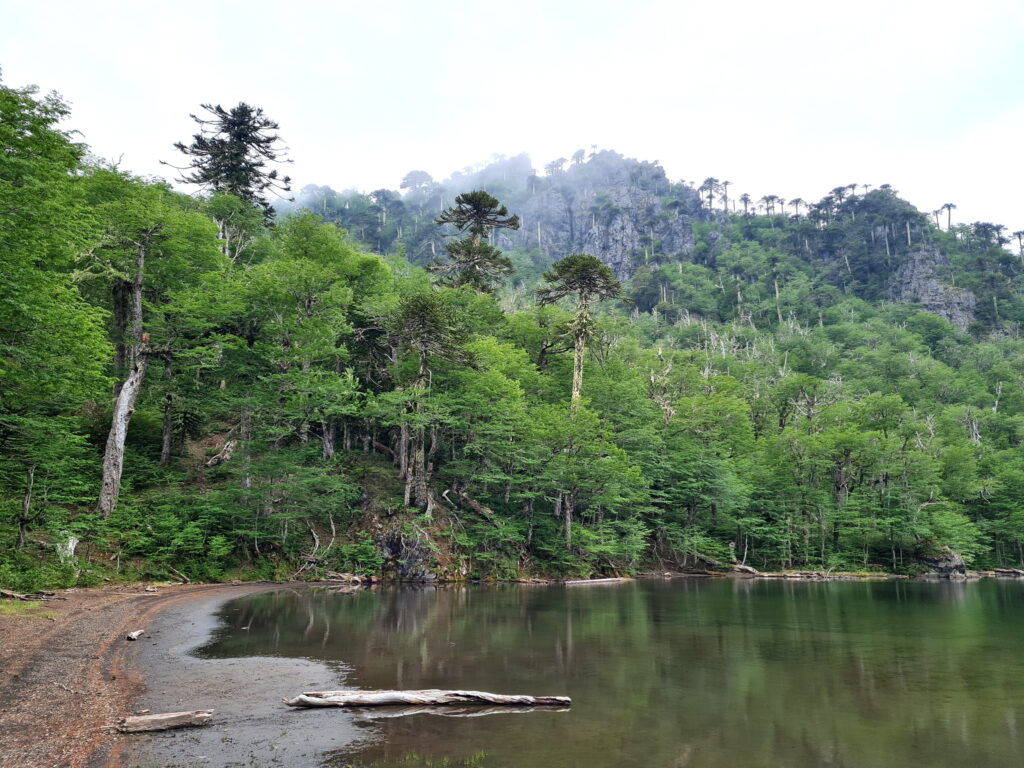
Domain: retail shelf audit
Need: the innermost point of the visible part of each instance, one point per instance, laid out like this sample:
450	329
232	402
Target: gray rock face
407	556
612	208
918	280
946	563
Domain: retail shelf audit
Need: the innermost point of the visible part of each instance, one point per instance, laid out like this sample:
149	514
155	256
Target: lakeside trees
287	393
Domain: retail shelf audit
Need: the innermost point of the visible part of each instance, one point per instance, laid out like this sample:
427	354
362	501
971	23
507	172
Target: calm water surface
701	673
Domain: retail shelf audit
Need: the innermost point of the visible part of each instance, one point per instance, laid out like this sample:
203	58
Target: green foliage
763	401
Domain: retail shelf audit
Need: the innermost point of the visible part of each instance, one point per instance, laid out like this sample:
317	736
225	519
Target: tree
427	325
415	181
585	277
151	244
948	208
231	152
472	261
52	344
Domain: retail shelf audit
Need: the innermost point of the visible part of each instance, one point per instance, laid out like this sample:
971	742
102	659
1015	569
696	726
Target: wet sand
251	726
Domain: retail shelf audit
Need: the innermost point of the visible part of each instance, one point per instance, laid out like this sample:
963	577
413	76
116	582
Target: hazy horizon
791	98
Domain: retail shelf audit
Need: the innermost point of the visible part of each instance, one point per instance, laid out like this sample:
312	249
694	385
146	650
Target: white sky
791	97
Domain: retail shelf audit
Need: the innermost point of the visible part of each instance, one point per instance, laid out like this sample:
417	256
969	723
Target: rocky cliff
919	280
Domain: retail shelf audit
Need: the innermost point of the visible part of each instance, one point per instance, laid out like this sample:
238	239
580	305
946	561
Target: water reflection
681	673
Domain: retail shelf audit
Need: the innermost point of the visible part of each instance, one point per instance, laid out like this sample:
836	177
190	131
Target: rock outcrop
918	280
944	562
620	210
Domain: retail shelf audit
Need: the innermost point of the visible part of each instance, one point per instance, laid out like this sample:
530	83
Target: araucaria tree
474	262
230	154
588	279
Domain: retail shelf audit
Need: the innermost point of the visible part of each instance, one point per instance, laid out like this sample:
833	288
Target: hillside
827	385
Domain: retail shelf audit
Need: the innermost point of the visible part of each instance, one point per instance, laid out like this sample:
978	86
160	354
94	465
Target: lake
706	673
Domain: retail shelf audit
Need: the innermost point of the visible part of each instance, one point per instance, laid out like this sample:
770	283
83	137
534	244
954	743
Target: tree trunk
165	446
577	368
433	696
137	359
245	436
327	428
113	455
568	507
403	451
26	507
419	470
164	722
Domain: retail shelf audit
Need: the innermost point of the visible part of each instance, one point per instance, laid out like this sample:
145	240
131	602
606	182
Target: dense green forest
199	385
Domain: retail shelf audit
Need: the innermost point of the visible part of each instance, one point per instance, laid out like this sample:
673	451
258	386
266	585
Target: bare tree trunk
568	507
124	405
245	435
26	507
435	443
165	446
419	470
327	427
577	369
113	455
403	451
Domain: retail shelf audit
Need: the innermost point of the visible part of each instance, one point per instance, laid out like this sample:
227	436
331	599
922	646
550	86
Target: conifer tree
474	262
230	154
588	279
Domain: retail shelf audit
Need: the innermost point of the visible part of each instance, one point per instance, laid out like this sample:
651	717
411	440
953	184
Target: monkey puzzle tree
230	154
474	262
588	279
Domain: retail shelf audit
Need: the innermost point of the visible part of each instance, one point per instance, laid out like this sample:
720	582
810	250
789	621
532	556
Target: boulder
944	562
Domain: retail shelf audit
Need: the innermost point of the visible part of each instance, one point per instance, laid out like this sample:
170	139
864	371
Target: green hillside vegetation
837	385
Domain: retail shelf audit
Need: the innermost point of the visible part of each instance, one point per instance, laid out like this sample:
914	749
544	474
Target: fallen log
179	575
164	722
430	696
136	634
590	582
13	595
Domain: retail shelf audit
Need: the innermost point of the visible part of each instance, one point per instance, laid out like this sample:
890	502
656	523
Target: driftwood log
591	582
164	722
136	634
430	696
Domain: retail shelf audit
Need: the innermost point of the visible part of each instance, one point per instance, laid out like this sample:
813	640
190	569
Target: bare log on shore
591	582
164	722
430	696
136	634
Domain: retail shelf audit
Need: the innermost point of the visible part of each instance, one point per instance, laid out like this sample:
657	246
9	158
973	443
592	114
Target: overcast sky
786	97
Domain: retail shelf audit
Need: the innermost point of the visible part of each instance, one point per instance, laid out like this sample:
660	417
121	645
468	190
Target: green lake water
689	672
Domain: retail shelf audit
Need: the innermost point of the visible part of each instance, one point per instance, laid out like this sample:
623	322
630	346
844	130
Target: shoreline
249	723
68	674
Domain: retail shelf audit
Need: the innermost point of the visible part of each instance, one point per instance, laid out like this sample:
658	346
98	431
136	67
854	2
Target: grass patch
28	609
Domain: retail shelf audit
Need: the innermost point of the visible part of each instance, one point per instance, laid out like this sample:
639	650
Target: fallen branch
179	575
591	582
430	696
164	722
383	449
223	455
136	634
13	595
473	504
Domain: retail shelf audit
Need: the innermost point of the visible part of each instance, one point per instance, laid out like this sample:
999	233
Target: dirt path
64	679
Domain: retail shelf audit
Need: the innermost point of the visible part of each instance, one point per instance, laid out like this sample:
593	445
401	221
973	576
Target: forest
587	369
